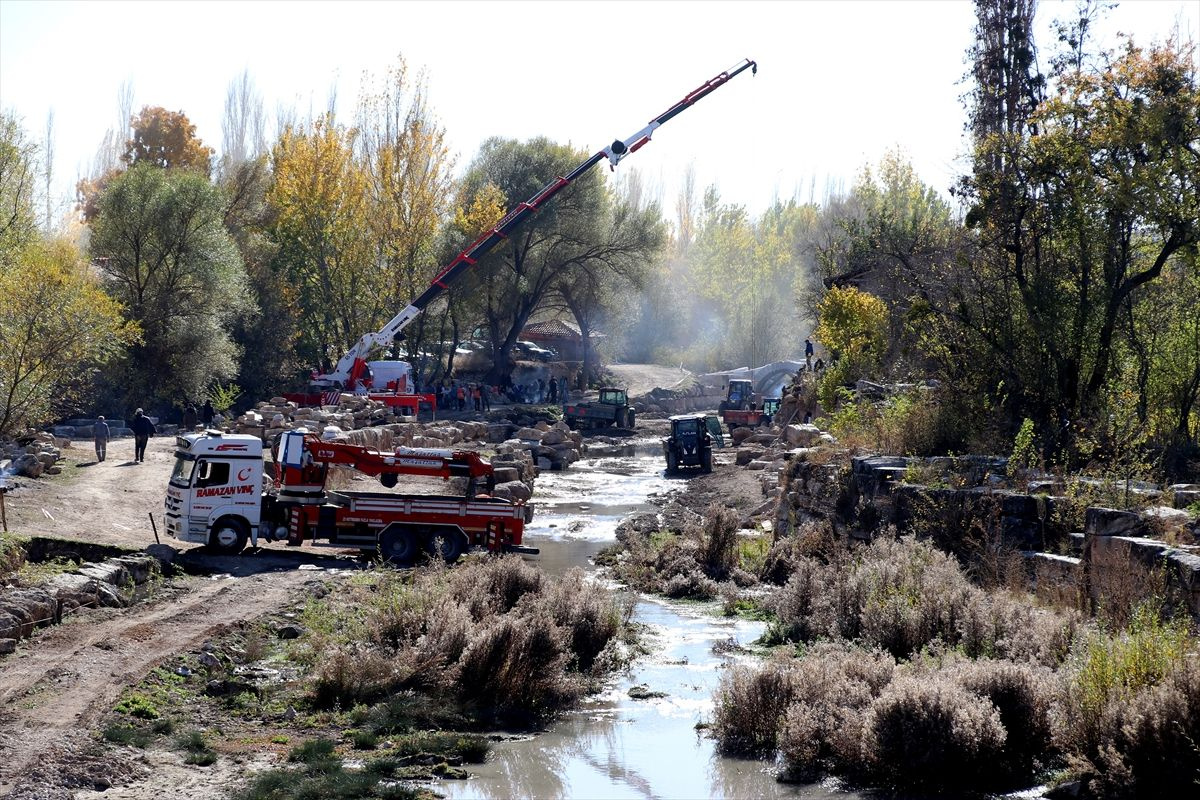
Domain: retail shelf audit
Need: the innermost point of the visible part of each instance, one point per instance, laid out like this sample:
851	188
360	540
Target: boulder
802	435
747	454
554	436
740	435
529	434
1112	522
513	490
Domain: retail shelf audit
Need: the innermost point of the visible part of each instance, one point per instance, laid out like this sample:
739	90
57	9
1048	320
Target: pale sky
838	83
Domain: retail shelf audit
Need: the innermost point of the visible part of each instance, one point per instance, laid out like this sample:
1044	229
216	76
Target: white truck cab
215	493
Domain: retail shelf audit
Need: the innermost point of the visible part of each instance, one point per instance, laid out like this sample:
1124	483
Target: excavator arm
350	367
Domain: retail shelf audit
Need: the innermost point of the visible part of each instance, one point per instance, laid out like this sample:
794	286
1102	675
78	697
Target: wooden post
3	515
153	527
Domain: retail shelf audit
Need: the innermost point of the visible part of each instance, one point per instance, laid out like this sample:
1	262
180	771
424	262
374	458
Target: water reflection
615	746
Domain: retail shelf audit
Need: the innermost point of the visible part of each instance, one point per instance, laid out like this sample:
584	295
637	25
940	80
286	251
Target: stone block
1112	522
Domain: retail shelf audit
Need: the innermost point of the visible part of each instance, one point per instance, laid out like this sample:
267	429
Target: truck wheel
571	423
229	537
629	419
398	546
389	480
448	545
706	460
672	463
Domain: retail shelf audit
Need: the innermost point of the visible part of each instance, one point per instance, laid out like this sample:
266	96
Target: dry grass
690	565
904	595
493	636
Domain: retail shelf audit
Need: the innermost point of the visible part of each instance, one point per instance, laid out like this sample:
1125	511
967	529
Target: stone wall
1152	551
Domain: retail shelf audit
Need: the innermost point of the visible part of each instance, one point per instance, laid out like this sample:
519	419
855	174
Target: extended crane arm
350	365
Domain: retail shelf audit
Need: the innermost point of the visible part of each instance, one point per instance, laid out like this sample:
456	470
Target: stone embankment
111	583
1089	553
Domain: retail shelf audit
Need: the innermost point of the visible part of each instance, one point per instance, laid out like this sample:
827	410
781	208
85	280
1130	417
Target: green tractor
689	446
612	410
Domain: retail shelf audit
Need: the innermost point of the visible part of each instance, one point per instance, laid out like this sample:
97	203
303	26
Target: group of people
143	428
453	395
191	417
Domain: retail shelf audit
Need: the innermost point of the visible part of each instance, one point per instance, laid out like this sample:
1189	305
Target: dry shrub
1148	745
493	635
1133	709
749	704
494	586
592	616
718	550
1023	694
812	539
904	595
928	732
517	665
347	677
822	729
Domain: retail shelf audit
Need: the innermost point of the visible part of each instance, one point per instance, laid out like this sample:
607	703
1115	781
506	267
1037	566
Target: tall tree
407	166
574	231
166	139
18	180
161	246
56	328
319	222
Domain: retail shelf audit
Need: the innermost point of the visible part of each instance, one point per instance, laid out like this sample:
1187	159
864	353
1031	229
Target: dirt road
54	691
641	378
58	684
107	502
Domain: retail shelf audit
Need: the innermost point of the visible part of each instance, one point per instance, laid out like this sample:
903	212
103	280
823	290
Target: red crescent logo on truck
243	474
221	448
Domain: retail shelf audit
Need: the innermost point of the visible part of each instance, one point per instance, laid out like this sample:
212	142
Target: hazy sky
838	83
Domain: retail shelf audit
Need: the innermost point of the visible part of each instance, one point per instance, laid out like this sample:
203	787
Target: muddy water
616	746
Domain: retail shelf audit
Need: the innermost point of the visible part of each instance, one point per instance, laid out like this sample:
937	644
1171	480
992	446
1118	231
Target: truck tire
629	420
228	537
389	480
446	544
705	459
672	462
398	546
571	423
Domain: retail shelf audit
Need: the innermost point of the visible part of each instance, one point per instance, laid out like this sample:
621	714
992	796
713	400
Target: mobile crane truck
221	494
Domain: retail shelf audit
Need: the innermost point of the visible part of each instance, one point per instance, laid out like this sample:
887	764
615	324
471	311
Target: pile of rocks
549	446
33	456
677	400
269	419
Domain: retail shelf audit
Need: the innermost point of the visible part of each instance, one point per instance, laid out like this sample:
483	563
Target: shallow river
615	746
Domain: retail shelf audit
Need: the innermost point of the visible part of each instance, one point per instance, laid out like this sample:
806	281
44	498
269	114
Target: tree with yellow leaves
56	328
407	167
321	210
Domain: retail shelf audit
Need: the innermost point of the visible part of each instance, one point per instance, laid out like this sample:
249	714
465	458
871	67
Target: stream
614	746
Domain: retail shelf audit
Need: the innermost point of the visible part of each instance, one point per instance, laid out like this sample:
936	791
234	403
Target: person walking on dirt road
207	414
100	436
143	429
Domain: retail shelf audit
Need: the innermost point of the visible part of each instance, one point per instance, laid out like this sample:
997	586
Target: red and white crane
351	368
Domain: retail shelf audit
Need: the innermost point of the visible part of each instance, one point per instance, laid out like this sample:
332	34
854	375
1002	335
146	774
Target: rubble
33	456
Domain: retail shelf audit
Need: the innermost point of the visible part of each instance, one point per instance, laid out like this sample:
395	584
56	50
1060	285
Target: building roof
555	329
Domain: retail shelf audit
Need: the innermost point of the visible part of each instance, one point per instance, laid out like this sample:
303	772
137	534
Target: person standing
553	389
189	418
100	436
207	414
808	352
143	429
